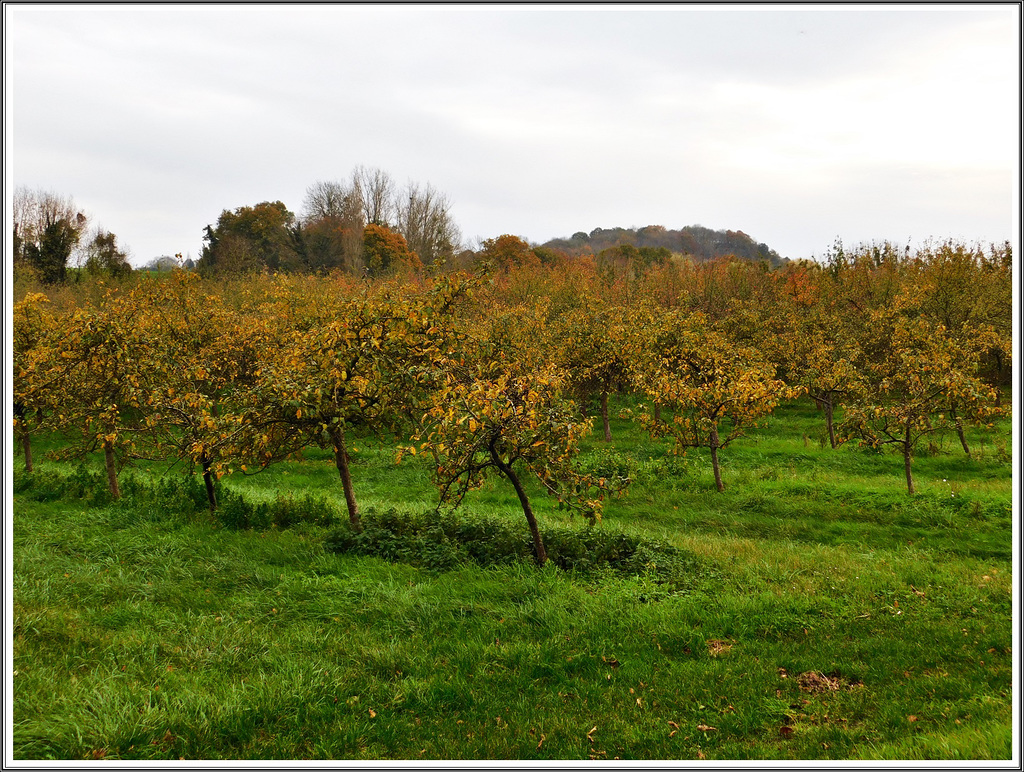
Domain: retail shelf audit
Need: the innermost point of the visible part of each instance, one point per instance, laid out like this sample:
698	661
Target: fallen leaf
590	734
373	713
911	718
542	738
706	728
786	731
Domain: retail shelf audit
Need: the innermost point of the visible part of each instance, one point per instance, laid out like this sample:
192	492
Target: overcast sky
796	125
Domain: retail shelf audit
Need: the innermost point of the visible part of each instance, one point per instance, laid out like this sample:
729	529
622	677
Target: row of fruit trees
487	373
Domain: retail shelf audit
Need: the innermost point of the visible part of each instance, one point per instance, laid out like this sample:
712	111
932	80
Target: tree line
367	225
49	228
503	371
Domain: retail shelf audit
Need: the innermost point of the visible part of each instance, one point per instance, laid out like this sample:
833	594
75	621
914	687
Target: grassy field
830	616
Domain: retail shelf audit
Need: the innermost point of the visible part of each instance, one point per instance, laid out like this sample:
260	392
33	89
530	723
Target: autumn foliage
491	374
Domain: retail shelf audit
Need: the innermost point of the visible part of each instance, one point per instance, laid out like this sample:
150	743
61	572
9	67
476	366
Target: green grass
141	634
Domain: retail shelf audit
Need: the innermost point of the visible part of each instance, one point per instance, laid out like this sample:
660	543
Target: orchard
498	369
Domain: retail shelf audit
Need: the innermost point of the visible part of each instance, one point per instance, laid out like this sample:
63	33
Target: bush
442	541
82	485
173	495
235	511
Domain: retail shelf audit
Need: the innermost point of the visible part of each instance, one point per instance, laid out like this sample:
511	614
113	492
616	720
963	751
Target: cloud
537	120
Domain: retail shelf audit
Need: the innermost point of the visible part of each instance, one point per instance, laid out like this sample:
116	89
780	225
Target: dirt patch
817	683
718	648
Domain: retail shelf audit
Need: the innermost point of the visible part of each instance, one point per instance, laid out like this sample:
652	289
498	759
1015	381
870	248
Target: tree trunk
538	544
111	463
823	402
657	412
906	460
26	444
26	440
960	432
341	461
963	440
830	423
713	444
211	493
604	417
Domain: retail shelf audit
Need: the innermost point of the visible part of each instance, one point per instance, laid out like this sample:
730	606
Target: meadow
811	611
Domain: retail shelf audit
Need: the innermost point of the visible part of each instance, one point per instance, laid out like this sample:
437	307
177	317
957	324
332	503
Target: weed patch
172	496
444	541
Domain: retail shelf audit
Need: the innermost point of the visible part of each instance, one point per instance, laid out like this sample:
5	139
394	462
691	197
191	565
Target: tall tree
386	252
329	234
424	218
506	252
250	238
377	191
47	229
105	258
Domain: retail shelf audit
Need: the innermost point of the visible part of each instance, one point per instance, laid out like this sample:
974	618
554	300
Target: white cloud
537	120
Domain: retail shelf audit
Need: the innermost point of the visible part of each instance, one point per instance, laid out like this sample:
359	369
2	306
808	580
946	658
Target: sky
798	125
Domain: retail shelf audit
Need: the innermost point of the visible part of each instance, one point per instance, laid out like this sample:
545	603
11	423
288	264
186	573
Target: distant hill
698	242
162	263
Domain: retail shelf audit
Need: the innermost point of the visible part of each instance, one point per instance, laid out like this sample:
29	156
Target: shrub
235	511
83	485
442	541
173	495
